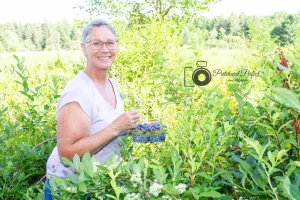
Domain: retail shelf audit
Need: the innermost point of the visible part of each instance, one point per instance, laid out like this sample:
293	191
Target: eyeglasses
97	44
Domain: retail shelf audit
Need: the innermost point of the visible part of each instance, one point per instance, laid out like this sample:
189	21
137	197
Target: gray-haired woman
90	112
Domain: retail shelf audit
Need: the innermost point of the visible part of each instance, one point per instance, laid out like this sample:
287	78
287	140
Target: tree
221	33
53	40
37	37
213	34
234	25
45	33
141	11
285	32
12	41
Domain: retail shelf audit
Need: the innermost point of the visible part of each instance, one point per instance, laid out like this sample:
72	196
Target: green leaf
25	84
288	69
227	176
16	57
287	98
141	165
280	154
294	60
46	107
257	192
67	162
227	127
246	167
21	176
213	194
235	157
260	150
82	187
88	168
233	87
290	190
171	189
269	129
137	168
86	156
111	196
76	161
204	175
295	192
254	144
238	98
195	192
272	157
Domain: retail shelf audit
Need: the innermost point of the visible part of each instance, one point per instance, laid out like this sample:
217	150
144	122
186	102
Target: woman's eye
96	43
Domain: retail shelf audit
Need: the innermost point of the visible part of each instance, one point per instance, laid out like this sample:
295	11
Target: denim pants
47	191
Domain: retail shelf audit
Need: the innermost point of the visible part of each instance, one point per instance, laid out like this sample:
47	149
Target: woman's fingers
127	120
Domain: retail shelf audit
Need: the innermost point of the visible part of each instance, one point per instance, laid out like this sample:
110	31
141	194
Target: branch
168	10
39	144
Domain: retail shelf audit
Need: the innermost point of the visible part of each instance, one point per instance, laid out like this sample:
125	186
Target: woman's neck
97	75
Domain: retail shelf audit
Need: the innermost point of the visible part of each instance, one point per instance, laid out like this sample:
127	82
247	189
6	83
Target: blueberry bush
235	138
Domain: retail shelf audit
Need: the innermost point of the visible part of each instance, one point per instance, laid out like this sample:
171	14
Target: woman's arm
73	129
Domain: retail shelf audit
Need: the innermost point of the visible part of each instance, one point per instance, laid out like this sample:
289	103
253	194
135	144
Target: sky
32	11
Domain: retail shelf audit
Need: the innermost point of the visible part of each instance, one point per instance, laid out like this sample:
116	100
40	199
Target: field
236	138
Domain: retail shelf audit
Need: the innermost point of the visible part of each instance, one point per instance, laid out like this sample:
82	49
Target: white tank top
82	89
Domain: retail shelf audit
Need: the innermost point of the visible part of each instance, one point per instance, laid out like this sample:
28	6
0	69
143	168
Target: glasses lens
111	45
96	44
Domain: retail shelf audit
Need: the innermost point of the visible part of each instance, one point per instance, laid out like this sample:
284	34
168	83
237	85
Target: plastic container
149	132
139	137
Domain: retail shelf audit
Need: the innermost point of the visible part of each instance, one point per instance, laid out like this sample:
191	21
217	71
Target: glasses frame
116	41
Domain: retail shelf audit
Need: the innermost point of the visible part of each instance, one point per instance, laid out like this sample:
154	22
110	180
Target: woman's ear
84	49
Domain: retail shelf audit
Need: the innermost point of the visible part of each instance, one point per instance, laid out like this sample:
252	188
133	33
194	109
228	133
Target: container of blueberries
149	132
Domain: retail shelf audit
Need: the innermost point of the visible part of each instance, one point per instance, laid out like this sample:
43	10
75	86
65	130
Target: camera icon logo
200	70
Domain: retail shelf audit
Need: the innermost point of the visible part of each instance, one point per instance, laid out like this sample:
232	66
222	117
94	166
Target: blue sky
55	10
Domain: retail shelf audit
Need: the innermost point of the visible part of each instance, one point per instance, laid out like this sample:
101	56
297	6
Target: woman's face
100	57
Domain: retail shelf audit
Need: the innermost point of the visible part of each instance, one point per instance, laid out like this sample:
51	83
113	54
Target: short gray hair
96	23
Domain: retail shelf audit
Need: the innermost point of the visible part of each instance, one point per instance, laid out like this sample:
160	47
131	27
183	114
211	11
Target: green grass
7	59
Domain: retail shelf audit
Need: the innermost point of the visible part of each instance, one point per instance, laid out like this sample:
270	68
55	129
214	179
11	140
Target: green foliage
286	30
234	138
117	179
141	12
37	37
28	128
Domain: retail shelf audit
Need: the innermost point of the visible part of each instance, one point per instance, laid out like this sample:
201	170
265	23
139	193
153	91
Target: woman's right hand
126	121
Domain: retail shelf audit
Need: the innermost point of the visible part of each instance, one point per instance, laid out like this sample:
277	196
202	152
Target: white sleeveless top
82	89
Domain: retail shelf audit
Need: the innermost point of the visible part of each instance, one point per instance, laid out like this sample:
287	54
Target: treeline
233	31
217	32
38	37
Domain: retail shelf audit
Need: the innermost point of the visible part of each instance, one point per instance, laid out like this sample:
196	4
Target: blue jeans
47	191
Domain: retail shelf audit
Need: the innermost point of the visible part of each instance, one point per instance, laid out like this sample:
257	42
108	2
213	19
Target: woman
90	112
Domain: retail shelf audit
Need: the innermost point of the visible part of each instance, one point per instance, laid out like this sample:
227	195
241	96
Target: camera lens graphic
198	72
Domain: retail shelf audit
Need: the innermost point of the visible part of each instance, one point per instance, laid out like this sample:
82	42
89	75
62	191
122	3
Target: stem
270	183
296	127
297	142
39	144
276	134
41	180
235	195
191	167
278	142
